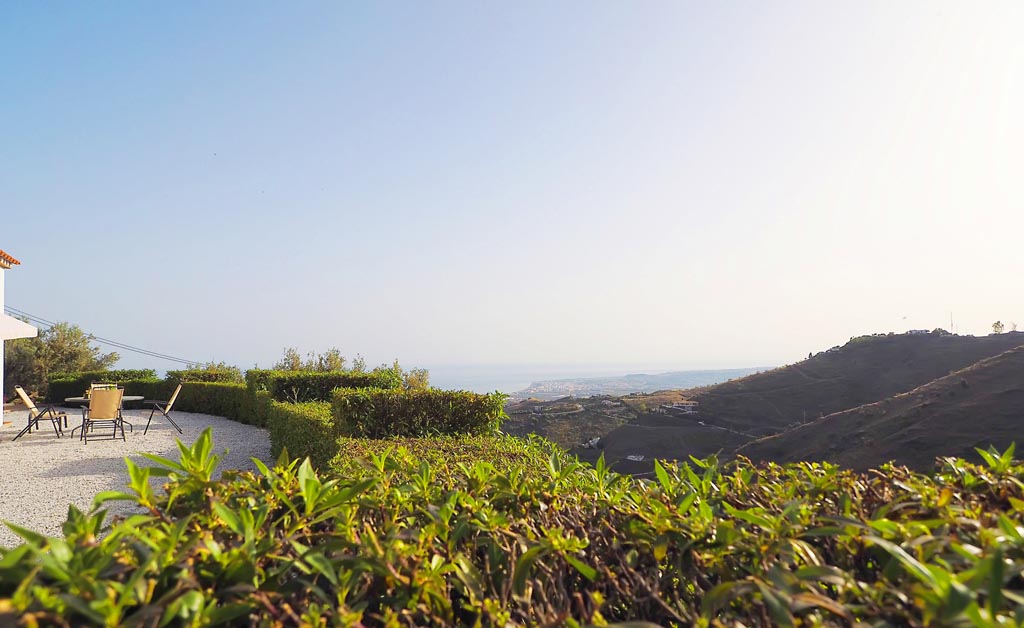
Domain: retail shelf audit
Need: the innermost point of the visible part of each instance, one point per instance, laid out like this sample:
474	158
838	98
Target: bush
448	457
232	401
535	544
67	385
384	413
305	430
220	373
301	386
111	376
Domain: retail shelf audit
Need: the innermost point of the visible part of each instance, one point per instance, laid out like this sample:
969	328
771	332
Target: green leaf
523	567
229	517
909	563
723	593
588	572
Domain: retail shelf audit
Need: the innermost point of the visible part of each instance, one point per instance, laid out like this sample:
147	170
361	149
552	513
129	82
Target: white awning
11	328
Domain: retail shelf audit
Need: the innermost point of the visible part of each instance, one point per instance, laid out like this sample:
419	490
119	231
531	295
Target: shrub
221	373
119	375
67	385
535	544
232	401
301	386
305	430
448	457
384	413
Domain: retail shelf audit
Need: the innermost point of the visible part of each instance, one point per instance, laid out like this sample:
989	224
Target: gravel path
41	474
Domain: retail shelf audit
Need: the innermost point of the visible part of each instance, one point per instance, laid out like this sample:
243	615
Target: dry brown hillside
978	406
865	370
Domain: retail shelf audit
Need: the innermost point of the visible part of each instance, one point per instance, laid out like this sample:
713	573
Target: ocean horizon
512	378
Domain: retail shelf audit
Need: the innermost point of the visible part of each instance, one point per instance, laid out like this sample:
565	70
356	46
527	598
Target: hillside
978	406
570	421
866	370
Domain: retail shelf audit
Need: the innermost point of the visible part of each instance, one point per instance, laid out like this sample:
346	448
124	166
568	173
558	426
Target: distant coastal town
635	383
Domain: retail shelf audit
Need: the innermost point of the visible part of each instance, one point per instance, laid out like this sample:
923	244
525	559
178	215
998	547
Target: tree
413	379
359	363
1013	326
290	361
63	348
330	360
997	327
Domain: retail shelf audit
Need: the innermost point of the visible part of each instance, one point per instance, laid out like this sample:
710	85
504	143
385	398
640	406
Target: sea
512	378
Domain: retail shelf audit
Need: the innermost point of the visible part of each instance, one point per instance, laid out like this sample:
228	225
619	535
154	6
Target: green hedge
447	456
385	413
305	430
534	544
117	375
149	387
226	375
302	386
232	401
64	385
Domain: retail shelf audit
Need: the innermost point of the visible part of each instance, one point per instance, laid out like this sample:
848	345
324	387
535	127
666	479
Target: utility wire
107	341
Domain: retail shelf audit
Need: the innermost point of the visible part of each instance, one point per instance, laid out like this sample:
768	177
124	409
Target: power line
114	343
107	341
120	345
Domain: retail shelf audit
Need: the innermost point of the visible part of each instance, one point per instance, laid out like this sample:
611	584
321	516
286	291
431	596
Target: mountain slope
977	406
864	370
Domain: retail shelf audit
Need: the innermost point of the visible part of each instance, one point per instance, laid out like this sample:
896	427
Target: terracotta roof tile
4	257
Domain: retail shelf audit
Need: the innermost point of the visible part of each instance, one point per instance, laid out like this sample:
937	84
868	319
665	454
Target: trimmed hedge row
150	388
232	401
224	375
448	456
64	385
115	375
384	413
302	386
302	429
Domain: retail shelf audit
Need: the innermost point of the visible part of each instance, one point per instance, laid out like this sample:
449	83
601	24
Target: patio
43	474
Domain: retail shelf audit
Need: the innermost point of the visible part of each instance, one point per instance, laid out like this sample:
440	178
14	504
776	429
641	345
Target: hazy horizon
678	185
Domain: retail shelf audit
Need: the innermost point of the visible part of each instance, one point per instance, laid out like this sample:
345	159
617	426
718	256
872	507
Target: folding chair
34	414
164	408
104	410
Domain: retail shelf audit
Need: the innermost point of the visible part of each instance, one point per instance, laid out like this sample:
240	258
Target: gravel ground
41	474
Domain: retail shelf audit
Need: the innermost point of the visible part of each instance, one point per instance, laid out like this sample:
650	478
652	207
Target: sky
666	185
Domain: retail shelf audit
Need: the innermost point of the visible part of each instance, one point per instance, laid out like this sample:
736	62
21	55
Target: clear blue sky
676	184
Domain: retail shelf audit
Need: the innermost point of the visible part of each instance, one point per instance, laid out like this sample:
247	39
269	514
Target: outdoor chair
164	408
35	413
104	410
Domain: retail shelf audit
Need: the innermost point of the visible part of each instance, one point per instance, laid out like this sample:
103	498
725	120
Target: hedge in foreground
383	413
550	544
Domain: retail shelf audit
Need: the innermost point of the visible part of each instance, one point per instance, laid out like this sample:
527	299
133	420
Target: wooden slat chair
36	413
164	408
104	410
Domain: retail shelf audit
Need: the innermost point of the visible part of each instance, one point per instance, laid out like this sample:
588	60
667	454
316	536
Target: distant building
681	407
917	332
10	327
